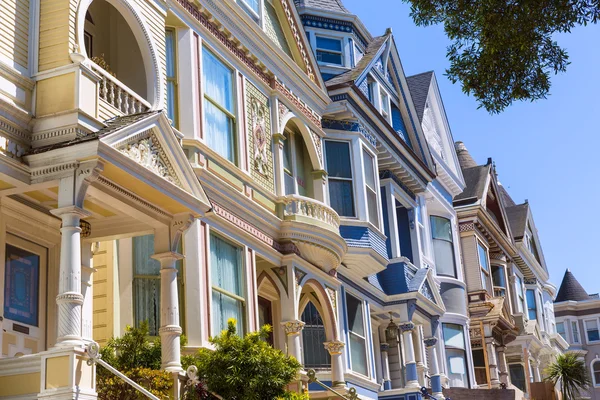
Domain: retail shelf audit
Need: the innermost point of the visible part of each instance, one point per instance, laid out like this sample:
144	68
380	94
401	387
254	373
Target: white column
170	330
87	312
502	367
409	354
434	370
292	332
70	299
335	349
385	366
492	362
421	368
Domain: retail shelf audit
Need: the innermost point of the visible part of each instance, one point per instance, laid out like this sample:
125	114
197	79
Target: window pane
170	50
454	336
253	4
484	280
498	276
355	315
287	152
443	252
147	303
171	101
329	58
224	308
338	159
457	367
483	261
329	44
218	80
288	180
225	260
143	263
369	170
560	329
441	228
341	197
575	329
591	327
358	354
219	131
531	306
372	207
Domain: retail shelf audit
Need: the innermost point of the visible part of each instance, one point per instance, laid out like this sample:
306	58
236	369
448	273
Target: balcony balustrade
499	291
305	209
117	94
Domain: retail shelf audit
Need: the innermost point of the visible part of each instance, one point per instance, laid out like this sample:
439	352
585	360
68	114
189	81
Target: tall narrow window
398	125
520	294
517	376
329	50
591	328
227	289
371	187
339	170
531	306
219	107
456	356
385	104
575	331
484	265
443	246
294	164
172	109
146	284
313	338
358	341
499	280
560	329
288	169
596	372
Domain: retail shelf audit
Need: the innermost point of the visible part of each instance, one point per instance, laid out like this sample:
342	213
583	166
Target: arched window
313	337
596	372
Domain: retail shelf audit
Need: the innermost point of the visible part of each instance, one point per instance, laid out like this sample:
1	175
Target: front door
23	303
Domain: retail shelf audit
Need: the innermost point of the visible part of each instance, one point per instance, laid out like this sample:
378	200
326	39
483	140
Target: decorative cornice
120	190
298	39
310	114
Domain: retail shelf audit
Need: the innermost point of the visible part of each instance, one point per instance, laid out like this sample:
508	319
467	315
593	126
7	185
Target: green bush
245	368
138	357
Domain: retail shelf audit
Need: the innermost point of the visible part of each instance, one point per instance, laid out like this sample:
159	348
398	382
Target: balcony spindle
111	94
119	98
125	103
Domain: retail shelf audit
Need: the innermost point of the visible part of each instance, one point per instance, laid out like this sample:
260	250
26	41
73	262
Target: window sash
591	327
575	329
531	305
340	177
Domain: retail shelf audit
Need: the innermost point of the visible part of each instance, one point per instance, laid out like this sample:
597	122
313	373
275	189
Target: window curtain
218	86
146	284
226	262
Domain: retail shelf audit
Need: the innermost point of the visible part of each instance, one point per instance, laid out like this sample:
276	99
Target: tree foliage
570	374
503	50
138	357
245	368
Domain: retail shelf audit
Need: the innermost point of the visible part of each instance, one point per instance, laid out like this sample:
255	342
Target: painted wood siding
471	263
57	33
14	31
104	292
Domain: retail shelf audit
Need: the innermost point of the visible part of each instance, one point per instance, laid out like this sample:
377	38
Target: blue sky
546	152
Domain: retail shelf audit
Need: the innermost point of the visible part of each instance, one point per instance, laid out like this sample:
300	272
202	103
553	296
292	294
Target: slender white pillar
502	366
292	332
69	298
434	370
87	291
409	354
335	349
170	330
492	361
385	366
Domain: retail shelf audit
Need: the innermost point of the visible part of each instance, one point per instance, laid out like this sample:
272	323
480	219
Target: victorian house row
183	163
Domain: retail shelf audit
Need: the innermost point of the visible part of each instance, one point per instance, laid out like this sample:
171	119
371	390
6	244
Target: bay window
591	329
329	50
219	106
227	288
371	188
357	333
531	306
339	171
171	43
443	246
483	265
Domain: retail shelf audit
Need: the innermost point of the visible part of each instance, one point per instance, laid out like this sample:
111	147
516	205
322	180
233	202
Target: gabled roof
350	76
327	5
571	289
517	218
475	181
419	89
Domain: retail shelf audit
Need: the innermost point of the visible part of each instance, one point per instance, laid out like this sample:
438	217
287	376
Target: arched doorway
313	338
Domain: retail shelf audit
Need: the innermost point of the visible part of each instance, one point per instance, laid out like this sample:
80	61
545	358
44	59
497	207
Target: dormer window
329	51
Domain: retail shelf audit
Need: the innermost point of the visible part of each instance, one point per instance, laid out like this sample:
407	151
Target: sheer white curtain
218	106
146	284
228	292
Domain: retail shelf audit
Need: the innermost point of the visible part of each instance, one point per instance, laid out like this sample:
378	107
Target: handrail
312	378
425	394
93	352
309	207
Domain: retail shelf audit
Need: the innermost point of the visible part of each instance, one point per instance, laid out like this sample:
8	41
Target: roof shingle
571	289
327	5
419	89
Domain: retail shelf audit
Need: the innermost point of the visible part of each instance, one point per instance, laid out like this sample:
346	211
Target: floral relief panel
259	137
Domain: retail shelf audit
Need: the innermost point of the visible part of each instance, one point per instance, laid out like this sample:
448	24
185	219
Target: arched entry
313	339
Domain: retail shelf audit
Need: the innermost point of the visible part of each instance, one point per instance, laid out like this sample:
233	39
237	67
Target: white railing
300	206
117	94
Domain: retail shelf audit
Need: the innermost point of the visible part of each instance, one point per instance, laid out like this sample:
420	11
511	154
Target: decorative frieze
148	153
350	126
466	227
260	138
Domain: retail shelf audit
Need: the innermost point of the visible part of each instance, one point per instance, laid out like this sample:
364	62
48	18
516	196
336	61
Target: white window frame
521	305
365	338
256	15
332	37
376	189
585	326
575	334
237	126
487	274
594	361
352	180
385	106
564	335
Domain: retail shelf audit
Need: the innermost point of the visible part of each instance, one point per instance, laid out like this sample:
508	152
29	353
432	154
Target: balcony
499	291
313	227
115	94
